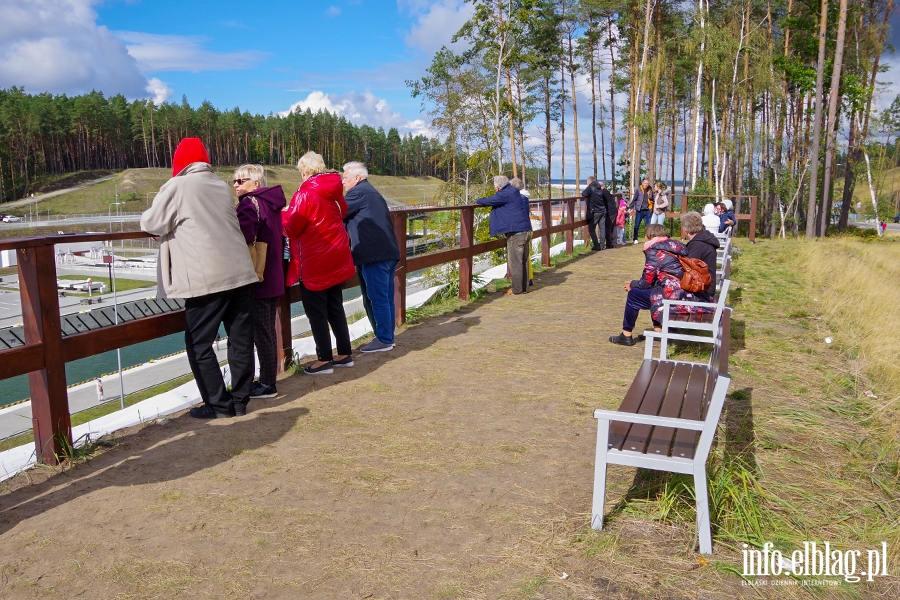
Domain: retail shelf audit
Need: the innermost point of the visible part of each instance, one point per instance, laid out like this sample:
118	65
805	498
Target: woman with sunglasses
259	213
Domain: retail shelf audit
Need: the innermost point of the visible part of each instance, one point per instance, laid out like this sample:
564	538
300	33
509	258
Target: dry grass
134	185
851	279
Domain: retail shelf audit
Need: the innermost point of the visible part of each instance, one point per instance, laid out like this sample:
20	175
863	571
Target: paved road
891	226
48	195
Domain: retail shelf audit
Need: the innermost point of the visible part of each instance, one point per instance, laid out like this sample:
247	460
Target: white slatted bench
718	318
666	422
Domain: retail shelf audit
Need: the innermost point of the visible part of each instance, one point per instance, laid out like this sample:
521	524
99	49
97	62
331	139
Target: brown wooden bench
666	422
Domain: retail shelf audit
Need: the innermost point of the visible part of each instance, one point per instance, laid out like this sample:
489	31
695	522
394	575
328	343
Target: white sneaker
635	241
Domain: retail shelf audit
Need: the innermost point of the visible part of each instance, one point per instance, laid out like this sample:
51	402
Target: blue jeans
658	219
379	282
641	215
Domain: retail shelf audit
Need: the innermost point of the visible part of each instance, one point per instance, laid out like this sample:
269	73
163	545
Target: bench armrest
688	303
651	335
675	423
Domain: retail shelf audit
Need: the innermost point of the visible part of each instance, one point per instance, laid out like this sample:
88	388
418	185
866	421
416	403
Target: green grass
122	285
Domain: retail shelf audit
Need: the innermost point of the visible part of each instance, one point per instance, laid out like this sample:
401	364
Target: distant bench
667	420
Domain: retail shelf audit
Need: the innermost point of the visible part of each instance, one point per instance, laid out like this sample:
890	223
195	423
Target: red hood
325	185
189	151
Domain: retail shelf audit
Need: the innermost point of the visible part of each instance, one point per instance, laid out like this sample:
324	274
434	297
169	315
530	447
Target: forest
43	135
773	98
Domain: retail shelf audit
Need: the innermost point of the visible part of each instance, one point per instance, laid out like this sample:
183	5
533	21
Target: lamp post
109	214
109	259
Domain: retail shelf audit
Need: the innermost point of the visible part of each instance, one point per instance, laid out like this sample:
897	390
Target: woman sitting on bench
661	280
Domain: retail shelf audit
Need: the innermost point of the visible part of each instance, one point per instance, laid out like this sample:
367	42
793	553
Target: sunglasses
241	181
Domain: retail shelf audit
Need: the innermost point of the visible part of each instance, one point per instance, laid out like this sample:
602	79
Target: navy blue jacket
369	225
509	212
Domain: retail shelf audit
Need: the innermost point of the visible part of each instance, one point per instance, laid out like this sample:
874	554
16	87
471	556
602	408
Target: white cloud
56	46
158	52
360	108
437	22
333	11
161	92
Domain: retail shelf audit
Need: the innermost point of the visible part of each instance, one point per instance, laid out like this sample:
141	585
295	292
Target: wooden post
546	222
283	333
41	321
570	226
399	218
752	219
466	240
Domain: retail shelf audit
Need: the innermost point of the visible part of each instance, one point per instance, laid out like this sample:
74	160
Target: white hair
356	168
500	181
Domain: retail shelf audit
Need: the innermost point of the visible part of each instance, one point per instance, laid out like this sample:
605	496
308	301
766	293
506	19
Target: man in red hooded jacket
203	258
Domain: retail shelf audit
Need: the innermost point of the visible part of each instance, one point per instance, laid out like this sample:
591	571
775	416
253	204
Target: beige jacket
201	248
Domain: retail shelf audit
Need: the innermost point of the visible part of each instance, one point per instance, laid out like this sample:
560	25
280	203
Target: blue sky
349	56
346	56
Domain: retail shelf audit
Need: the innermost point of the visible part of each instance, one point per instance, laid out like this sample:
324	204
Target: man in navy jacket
509	217
375	252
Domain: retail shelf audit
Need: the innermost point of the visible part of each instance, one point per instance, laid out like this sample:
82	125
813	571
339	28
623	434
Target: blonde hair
251	172
311	164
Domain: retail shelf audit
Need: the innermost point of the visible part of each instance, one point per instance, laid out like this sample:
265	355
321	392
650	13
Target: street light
109	214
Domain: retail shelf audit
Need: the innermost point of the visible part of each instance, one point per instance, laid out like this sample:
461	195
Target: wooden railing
46	350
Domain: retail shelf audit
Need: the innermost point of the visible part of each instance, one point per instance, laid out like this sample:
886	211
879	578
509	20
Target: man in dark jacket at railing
375	252
509	217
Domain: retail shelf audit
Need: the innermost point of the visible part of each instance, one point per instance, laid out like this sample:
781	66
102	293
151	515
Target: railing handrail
46	350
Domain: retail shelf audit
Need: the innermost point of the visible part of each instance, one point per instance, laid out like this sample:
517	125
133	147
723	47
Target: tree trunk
825	210
817	126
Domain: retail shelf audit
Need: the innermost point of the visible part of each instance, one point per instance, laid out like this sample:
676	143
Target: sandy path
459	465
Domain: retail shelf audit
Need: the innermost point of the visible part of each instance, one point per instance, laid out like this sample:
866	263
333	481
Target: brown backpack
696	273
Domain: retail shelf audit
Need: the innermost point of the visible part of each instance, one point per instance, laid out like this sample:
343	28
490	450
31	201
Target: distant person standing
660	204
203	258
611	209
642	205
375	252
526	196
621	216
259	213
596	213
100	390
509	217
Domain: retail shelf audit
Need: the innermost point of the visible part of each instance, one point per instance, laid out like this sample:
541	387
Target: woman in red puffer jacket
320	259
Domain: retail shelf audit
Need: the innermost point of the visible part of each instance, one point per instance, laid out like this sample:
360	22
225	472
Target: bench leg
600	474
726	340
702	495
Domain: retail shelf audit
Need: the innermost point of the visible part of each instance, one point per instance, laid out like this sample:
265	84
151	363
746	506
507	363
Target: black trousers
609	225
264	338
203	316
324	308
598	224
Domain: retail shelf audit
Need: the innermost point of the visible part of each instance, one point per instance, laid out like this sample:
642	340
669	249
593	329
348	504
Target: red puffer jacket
314	226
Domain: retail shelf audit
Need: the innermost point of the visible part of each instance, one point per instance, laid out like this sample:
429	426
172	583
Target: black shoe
622	340
207	412
596	248
258	390
347	361
240	409
640	337
325	369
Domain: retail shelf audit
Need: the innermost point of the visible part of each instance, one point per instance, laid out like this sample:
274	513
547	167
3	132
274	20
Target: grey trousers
517	256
